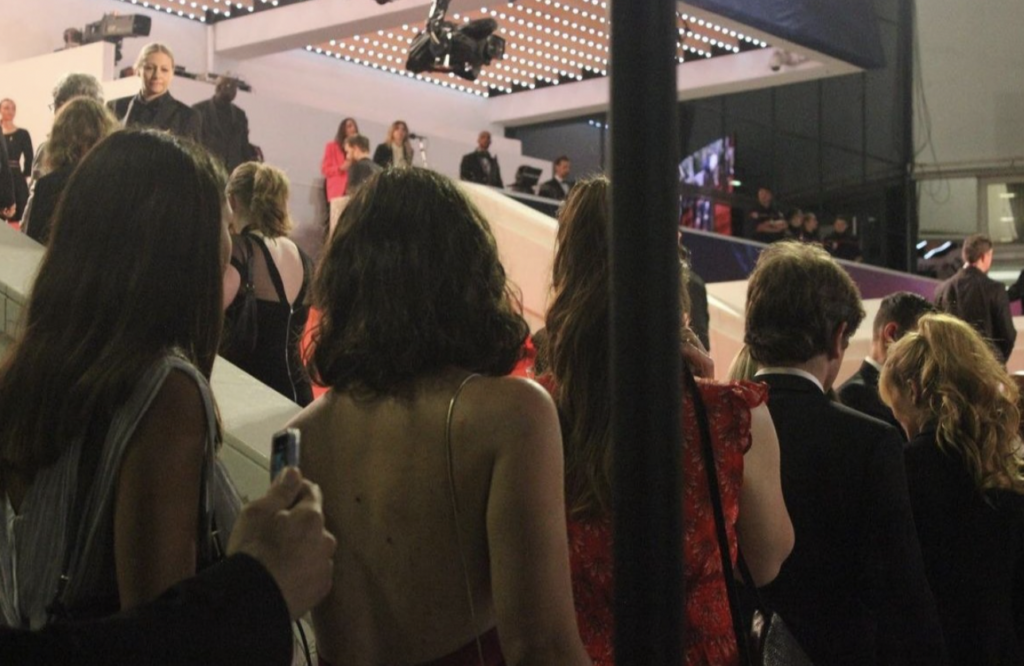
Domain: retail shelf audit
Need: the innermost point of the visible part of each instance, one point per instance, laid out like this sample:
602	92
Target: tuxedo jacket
552	189
854	590
227	140
861	392
472	169
232	613
981	302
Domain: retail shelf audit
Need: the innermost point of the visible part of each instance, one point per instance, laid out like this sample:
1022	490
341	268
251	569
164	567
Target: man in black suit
977	299
225	127
559	185
897	315
236	612
480	166
853	591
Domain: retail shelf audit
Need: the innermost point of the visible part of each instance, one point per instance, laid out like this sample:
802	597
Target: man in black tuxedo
853	591
897	315
480	166
236	612
559	185
979	300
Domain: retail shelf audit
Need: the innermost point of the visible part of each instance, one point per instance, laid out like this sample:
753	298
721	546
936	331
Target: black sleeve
897	588
1016	290
232	613
29	153
382	155
6	178
194	126
466	168
1003	332
497	174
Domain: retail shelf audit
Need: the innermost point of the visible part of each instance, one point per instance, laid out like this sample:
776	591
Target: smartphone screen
284	451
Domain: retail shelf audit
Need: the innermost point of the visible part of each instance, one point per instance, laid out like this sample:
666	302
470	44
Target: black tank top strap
275	276
307	276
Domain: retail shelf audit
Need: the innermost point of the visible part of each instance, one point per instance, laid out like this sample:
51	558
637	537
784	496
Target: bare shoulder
508	397
507	410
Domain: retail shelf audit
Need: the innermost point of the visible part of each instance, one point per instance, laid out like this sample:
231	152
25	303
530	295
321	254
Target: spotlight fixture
444	47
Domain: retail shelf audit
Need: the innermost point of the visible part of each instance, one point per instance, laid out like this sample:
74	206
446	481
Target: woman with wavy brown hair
80	124
441	476
965	474
747	452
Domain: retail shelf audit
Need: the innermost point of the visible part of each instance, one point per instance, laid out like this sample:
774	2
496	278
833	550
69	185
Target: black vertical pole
645	334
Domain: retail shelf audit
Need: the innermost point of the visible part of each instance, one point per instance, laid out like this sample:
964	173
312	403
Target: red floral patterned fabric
709	637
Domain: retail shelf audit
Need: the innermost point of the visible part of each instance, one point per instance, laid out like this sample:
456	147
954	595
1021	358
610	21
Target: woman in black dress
965	474
266	285
154	106
19	153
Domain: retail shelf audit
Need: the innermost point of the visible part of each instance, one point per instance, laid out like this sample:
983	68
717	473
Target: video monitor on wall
710	168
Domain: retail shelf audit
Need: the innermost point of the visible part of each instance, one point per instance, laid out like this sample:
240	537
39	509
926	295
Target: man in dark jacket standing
977	299
225	129
853	590
480	166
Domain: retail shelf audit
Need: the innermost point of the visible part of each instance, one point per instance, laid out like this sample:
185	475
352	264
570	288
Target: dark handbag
240	318
770	642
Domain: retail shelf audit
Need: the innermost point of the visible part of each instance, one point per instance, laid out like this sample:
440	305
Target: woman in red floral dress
576	357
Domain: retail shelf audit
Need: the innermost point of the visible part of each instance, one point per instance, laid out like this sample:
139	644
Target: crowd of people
767	224
448	511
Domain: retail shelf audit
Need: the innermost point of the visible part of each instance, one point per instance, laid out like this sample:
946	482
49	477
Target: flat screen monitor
711	169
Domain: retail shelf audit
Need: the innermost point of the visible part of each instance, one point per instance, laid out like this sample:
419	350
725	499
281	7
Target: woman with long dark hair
965	475
441	476
743	437
107	423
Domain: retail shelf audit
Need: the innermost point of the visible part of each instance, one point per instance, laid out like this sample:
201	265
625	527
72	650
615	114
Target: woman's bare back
400	594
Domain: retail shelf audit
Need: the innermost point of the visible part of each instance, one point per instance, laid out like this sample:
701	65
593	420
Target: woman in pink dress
576	355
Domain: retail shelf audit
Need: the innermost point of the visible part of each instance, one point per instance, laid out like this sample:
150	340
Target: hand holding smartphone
284	451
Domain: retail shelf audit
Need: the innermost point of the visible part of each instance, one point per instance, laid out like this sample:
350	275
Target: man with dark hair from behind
977	299
853	591
357	149
897	315
236	612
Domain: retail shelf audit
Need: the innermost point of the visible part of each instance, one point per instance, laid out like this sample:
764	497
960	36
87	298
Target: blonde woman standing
965	474
265	286
153	106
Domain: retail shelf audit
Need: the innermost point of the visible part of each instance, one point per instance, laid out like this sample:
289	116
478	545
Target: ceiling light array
549	41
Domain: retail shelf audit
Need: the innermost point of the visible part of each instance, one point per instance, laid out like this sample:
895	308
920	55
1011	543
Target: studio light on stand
443	46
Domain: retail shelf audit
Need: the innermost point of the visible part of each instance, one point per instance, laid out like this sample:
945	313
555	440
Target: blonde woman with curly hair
80	124
965	473
266	285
